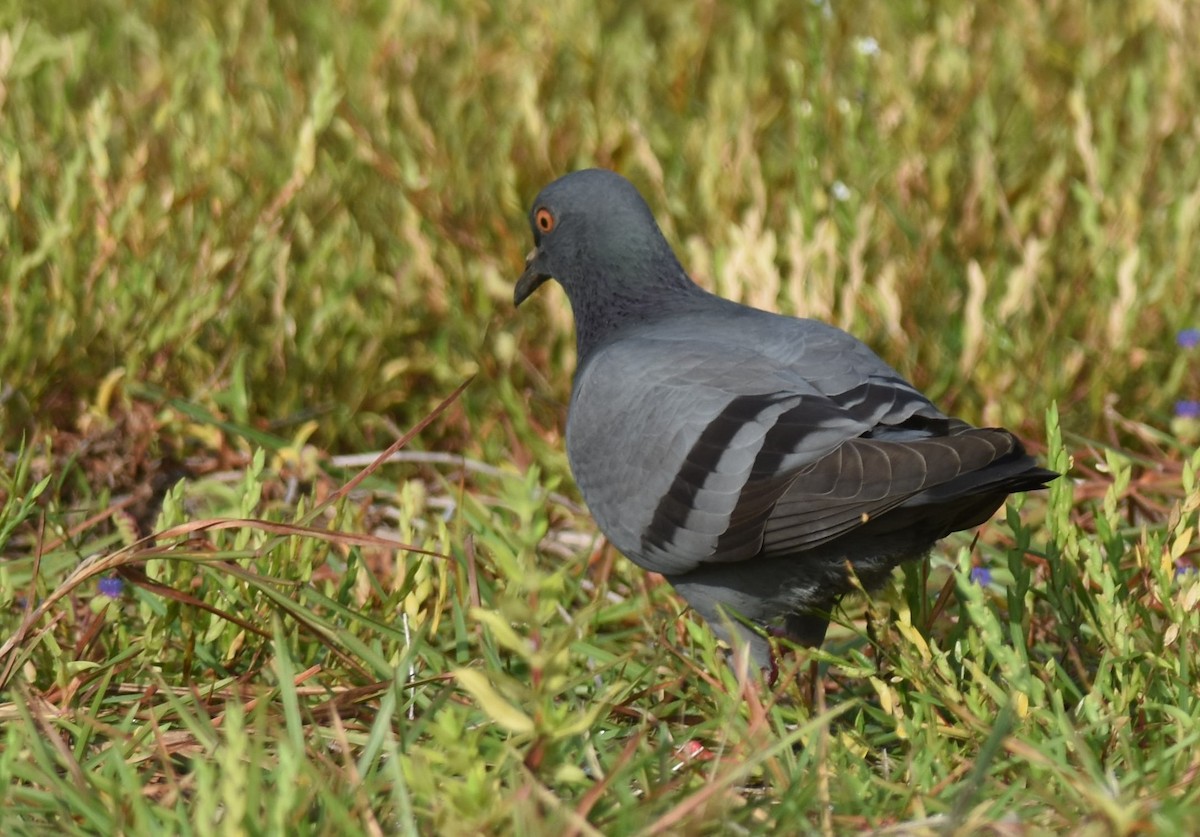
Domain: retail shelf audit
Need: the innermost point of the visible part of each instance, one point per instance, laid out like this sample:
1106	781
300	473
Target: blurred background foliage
285	211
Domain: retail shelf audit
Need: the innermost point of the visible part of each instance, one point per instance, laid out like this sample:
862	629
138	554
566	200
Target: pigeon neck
603	308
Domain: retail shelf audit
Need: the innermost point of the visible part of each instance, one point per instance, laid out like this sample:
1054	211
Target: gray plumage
745	455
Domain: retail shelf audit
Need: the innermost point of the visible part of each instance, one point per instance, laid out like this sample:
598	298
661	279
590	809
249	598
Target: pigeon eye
544	220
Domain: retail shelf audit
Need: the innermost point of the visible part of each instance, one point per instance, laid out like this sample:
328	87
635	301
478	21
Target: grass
245	246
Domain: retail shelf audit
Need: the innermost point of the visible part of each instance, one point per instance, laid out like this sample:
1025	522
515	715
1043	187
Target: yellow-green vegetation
244	246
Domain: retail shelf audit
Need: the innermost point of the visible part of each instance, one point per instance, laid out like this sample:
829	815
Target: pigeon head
596	237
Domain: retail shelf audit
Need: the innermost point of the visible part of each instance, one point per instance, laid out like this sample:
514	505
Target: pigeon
759	462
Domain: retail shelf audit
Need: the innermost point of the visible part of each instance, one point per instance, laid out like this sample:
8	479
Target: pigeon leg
808	628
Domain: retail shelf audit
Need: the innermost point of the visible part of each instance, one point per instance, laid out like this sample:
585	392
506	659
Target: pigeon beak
531	279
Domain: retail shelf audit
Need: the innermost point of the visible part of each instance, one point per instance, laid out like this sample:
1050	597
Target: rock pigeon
749	457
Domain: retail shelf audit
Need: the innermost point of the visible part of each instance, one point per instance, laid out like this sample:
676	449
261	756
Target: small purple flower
1183	568
981	576
1187	409
1189	338
111	586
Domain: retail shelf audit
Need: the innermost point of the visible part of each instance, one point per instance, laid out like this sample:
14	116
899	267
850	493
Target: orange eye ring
544	220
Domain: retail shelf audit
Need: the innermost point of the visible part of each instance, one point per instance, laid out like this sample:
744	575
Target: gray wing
866	478
686	446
